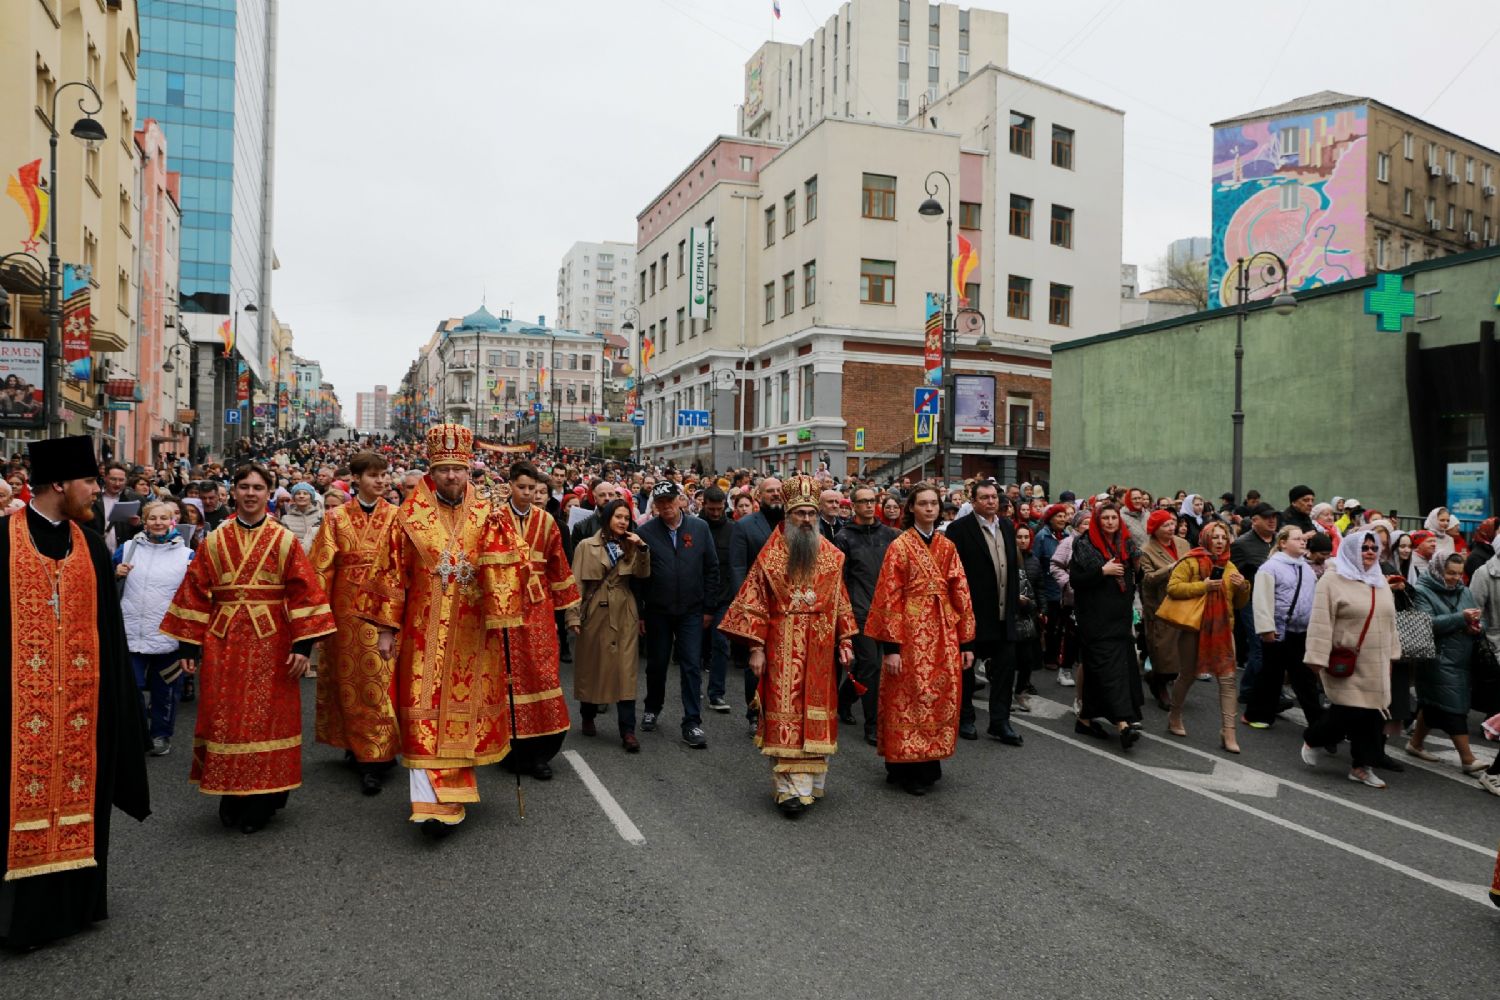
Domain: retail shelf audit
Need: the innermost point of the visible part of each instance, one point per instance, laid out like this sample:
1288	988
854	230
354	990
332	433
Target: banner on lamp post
932	343
77	322
697	273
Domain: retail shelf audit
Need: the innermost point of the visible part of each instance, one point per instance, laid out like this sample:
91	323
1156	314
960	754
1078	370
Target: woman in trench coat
606	657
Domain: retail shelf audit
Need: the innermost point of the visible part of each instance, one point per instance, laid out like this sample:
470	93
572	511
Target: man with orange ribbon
444	583
250	609
76	740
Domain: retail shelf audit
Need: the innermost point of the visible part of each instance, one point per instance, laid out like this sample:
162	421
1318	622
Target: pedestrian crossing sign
924	429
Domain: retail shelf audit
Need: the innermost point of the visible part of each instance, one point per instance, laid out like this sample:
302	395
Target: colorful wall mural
1293	185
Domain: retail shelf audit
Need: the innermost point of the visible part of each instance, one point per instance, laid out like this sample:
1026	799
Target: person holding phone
1206	574
609	566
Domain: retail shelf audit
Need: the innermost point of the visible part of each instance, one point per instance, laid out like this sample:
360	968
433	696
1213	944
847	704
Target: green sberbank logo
699	299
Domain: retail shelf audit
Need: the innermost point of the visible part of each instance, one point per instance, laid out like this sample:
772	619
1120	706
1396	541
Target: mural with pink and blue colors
1294	185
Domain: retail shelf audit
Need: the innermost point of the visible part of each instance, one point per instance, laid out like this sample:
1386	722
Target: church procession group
438	622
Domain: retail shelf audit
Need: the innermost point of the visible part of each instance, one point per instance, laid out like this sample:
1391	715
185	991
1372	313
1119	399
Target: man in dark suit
115	492
986	544
749	537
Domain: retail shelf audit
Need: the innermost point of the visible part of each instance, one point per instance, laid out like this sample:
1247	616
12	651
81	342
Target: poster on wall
22	364
932	349
1469	492
77	322
974	409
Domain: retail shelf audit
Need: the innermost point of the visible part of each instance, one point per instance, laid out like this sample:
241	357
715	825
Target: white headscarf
1187	508
1349	564
1445	543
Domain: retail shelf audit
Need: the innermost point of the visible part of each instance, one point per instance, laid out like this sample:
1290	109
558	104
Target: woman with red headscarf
1206	575
1102	573
1158	558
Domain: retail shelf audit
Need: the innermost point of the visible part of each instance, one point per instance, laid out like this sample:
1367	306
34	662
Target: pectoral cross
454	567
56	603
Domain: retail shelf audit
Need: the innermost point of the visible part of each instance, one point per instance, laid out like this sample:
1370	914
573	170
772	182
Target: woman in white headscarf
1448	531
1192	509
1353	610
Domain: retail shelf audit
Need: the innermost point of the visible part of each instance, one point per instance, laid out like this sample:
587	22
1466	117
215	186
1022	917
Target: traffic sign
925	400
536	407
638	418
520	414
859	439
593	419
692	418
925	429
232	416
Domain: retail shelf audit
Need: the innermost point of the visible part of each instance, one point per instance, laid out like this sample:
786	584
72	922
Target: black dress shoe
1090	728
1128	738
541	771
967	731
791	808
846	716
1388	763
1007	734
871	739
435	829
913	788
369	783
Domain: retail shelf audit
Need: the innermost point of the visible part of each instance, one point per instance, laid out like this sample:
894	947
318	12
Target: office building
593	286
372	413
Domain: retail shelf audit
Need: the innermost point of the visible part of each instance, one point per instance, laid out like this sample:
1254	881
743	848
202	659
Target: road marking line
1473	892
1225	772
626	829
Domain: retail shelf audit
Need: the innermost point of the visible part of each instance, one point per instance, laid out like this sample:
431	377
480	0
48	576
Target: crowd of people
432	589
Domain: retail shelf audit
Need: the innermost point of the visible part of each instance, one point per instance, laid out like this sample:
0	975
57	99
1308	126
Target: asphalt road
1059	869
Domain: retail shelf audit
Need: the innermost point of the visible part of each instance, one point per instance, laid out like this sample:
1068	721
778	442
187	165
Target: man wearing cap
681	599
445	586
75	737
1299	509
793	610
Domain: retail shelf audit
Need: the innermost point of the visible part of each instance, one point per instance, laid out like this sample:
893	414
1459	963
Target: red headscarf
1206	559
1128	505
1113	547
1486	531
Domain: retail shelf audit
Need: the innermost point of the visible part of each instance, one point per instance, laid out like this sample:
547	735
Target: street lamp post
932	208
90	133
632	315
1270	270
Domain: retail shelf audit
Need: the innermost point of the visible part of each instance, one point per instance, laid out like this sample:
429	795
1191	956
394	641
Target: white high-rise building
874	60
593	286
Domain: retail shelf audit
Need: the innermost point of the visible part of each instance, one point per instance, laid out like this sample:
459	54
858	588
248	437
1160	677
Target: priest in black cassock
74	741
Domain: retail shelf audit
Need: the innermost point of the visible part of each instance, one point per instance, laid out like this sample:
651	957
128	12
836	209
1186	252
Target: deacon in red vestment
920	615
541	709
794	613
74	738
250	608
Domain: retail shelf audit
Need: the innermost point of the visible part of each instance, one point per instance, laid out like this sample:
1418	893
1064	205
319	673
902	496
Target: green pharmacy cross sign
1387	301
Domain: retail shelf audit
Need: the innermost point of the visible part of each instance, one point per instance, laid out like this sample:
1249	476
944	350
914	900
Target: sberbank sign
698	273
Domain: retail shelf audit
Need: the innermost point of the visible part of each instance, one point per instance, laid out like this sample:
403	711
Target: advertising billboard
974	409
22	368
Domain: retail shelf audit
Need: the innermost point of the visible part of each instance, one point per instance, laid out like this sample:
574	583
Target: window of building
903	110
1062	226
1451	214
1432	154
1020	216
877	281
970	297
807	392
586	394
1489	176
786	397
1468	221
810	199
1021	129
1291	196
809	283
789	207
1406	202
770	225
1469	170
1408	146
1060	305
963	62
932	57
1432	210
1290	140
1062	147
663	270
1382	167
1018	297
653	278
493	358
1452	164
969	213
903	52
1380	242
512	359
788	293
681	324
641	295
770	290
878	199
903	92
747	164
681	257
1405	254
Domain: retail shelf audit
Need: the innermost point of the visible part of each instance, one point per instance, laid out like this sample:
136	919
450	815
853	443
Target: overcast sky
423	162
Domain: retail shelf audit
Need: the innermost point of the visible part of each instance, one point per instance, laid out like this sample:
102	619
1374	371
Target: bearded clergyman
794	613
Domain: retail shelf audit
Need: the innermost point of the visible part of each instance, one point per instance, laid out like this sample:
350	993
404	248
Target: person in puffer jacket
149	568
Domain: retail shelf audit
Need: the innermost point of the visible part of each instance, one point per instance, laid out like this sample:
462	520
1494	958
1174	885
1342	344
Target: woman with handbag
1166	646
1443	685
605	657
1352	638
1413	625
1283	599
1203	593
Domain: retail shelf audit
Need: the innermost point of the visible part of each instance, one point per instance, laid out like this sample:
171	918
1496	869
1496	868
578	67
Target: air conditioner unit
1434	170
1489	190
1452	178
1472	237
1435	225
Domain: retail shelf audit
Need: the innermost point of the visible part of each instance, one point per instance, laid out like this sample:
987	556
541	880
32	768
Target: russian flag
776	8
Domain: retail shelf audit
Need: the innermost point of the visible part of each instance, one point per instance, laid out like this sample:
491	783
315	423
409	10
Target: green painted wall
1325	395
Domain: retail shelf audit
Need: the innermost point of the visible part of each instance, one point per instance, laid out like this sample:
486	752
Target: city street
1056	870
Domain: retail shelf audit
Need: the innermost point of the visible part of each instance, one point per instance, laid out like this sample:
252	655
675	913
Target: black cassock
44	907
1106	636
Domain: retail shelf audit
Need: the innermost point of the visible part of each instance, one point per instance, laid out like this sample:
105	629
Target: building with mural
1398	402
1340	187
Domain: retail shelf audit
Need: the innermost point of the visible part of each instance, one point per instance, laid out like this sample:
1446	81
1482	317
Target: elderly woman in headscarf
1325	519
1102	571
1207	575
1353	615
1192	509
1443	685
1163	642
1481	547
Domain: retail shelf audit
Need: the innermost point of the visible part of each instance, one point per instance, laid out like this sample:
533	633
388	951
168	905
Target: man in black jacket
986	544
749	537
715	643
863	542
681	600
114	491
1300	501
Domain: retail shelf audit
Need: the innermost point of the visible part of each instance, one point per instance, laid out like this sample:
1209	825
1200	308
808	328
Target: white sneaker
1065	677
1490	783
1365	776
1309	756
